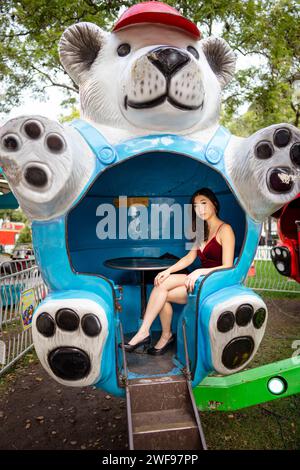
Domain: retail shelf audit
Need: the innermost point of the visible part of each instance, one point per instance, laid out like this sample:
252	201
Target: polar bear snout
164	75
168	60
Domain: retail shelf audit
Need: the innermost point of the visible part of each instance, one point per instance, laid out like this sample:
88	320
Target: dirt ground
38	413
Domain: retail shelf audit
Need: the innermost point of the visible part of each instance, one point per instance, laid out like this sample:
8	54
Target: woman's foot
163	340
139	339
162	345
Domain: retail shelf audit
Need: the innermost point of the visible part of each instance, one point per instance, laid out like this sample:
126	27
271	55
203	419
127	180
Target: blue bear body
59	263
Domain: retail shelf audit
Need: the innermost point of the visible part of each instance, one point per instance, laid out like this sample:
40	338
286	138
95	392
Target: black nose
69	363
168	60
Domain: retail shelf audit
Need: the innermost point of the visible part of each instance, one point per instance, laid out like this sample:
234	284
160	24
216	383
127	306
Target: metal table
141	264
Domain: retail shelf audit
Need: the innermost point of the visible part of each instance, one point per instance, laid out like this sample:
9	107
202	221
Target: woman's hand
192	278
161	277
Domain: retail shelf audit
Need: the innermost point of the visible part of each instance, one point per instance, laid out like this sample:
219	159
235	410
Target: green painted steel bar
247	388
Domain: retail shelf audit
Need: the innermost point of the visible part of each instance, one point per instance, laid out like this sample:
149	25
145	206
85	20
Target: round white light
278	252
284	254
280	266
277	385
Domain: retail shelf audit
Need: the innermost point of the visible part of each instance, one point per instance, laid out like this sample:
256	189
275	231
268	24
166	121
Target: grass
266	277
274	425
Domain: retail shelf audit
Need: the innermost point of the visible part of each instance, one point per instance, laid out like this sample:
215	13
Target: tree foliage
14	215
265	29
25	235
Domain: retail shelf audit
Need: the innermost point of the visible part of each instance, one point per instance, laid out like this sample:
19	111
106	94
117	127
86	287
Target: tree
269	29
25	235
74	114
13	215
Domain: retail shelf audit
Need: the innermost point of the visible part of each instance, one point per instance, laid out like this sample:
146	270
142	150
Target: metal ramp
161	410
163	415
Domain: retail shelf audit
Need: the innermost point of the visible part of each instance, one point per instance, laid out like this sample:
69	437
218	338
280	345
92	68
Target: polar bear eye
193	51
123	49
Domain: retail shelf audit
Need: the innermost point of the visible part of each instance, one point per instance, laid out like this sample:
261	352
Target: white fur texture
93	346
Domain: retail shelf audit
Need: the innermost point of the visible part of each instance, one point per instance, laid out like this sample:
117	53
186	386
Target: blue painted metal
8	201
165	168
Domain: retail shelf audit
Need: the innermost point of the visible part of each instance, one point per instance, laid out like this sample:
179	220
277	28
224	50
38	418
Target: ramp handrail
124	378
188	375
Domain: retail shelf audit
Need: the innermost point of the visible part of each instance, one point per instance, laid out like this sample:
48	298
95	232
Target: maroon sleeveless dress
211	256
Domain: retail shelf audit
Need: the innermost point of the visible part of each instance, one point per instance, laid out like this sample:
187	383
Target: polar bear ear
79	47
220	57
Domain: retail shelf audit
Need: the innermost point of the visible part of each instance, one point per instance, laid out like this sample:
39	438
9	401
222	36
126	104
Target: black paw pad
281	258
55	143
259	317
45	325
280	180
33	129
69	363
67	319
237	352
225	322
11	142
282	137
244	314
295	154
36	176
91	325
264	150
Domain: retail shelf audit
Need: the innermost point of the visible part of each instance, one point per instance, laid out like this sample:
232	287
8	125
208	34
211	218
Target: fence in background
15	341
264	276
14	266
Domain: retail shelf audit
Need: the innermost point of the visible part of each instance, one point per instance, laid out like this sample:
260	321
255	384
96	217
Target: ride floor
141	363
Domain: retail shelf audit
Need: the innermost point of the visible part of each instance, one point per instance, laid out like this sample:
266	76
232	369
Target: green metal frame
247	388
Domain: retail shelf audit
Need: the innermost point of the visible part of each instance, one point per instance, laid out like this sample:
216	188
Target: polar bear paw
265	169
31	144
45	164
69	337
279	149
236	329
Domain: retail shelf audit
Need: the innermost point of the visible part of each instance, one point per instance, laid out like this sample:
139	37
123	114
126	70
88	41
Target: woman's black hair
212	197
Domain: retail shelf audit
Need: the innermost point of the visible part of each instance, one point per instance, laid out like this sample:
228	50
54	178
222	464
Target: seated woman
216	252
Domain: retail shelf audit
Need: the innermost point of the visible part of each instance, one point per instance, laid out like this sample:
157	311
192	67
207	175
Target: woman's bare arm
184	262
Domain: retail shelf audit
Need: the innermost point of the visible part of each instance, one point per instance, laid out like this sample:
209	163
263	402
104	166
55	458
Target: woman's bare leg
155	304
165	316
177	295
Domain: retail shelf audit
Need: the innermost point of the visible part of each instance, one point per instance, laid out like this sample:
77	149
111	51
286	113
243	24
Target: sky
50	108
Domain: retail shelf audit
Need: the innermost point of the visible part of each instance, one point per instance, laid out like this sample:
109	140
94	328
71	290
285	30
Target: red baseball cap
156	12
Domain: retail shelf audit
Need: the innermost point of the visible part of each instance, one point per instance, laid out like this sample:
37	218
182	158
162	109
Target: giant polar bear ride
150	98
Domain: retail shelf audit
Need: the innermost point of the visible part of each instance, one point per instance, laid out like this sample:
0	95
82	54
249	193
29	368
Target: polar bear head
149	76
